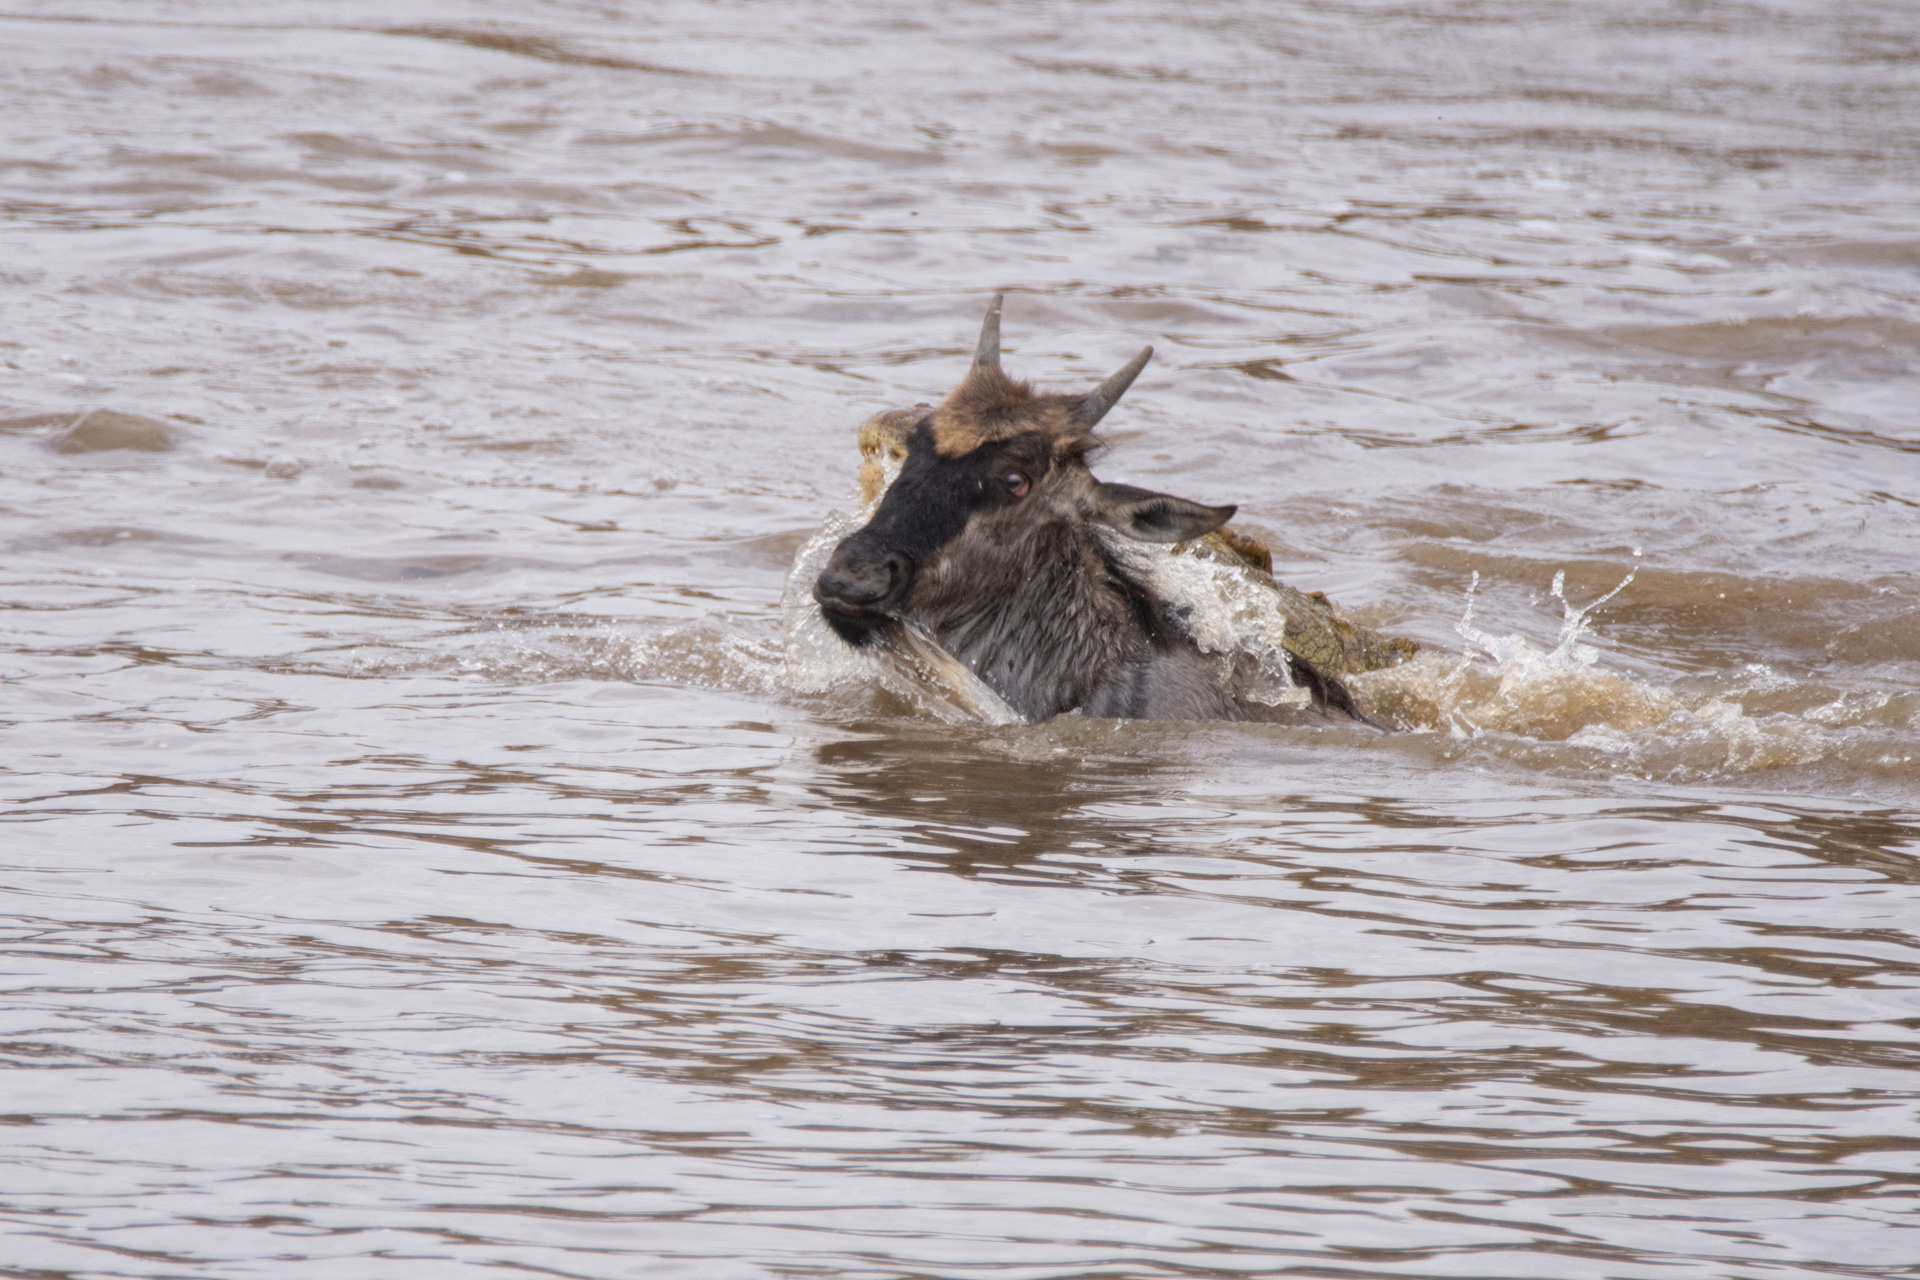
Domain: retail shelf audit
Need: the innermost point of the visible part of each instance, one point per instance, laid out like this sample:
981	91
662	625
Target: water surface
418	859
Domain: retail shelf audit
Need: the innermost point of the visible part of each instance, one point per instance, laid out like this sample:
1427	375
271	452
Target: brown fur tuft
988	406
983	407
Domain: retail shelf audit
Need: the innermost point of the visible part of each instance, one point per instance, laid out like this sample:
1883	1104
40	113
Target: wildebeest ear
1147	516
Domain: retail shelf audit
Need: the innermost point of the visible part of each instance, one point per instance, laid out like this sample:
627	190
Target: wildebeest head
991	539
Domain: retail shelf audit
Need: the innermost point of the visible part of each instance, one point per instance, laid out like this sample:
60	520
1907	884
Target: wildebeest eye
1017	483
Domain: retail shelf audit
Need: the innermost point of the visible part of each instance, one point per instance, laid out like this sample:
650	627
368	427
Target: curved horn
1103	397
987	352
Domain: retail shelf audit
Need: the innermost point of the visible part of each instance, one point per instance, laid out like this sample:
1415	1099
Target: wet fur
1024	594
1036	609
1020	588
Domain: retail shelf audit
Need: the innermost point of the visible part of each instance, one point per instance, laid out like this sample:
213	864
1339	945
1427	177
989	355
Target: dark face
933	502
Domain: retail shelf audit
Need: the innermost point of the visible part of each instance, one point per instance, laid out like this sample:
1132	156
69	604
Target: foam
706	655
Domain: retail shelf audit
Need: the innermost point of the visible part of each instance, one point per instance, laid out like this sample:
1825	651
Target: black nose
861	584
857	587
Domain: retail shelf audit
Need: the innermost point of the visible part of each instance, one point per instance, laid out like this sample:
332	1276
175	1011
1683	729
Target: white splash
1569	652
1510	689
1226	610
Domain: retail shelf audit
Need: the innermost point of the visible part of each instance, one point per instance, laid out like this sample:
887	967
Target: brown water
419	861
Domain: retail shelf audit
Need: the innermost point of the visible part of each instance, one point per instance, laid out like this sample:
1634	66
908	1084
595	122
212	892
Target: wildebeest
998	542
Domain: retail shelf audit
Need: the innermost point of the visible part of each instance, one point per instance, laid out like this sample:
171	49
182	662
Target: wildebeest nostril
861	583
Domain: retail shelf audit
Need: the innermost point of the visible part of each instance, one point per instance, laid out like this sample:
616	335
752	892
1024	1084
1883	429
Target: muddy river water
418	859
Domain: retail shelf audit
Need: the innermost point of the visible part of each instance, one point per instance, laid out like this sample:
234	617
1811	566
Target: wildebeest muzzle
864	585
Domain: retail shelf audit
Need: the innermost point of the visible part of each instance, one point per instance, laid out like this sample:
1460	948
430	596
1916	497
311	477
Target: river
419	859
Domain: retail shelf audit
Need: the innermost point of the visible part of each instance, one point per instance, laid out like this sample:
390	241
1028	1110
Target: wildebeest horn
987	352
1103	397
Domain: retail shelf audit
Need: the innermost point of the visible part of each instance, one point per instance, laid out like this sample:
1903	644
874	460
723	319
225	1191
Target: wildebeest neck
1036	610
